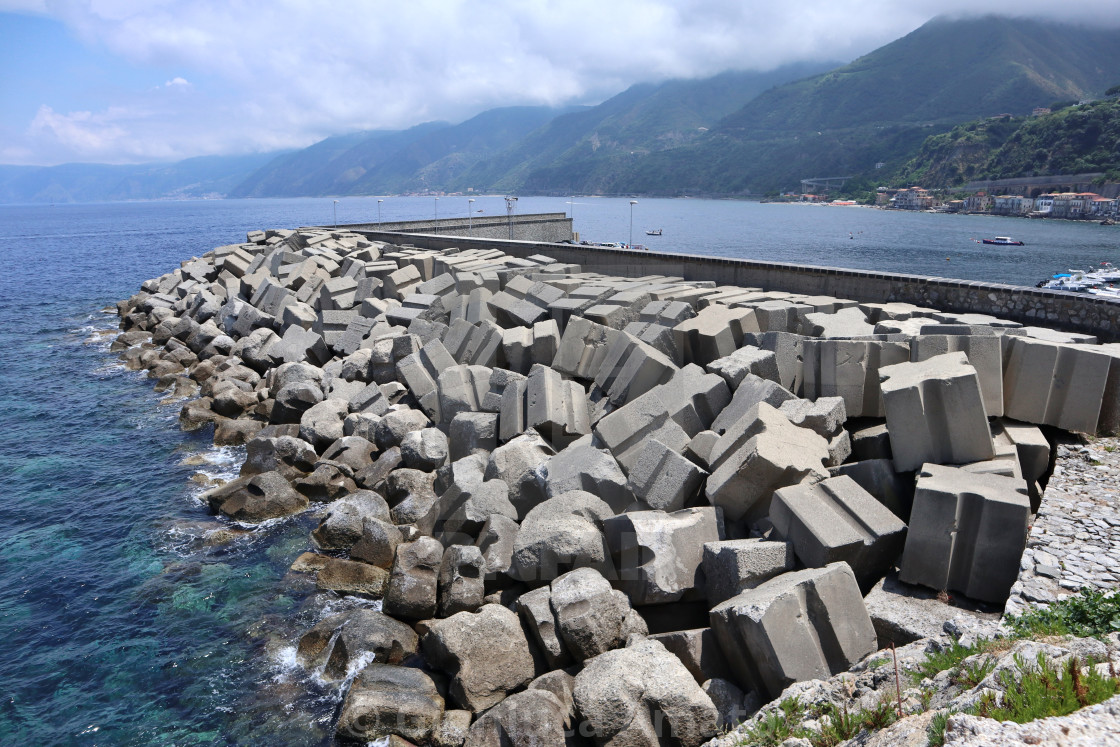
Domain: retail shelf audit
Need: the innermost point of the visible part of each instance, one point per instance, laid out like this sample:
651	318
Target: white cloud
284	73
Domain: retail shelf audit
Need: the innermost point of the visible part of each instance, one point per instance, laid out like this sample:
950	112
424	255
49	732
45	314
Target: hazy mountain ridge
731	134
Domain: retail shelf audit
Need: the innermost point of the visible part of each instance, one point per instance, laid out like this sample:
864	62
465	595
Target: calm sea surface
127	614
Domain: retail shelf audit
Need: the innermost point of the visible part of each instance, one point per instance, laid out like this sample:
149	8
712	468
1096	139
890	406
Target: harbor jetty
591	505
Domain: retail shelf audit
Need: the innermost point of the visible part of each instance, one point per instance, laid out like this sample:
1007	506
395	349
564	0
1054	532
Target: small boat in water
654	232
1003	241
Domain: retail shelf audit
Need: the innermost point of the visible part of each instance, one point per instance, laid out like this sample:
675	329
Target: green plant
971	674
1046	690
936	730
946	658
777	726
876	663
1091	613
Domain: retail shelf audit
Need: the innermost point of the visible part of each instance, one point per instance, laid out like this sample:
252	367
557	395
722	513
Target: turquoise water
128	616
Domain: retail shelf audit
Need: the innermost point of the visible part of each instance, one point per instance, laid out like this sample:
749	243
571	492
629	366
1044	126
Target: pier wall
539	227
1029	306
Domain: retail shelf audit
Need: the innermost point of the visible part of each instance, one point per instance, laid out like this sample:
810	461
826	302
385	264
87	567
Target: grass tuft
1092	613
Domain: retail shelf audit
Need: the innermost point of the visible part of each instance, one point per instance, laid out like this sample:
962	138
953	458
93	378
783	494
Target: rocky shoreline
603	510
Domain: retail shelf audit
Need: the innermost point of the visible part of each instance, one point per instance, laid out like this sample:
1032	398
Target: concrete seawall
1030	306
535	227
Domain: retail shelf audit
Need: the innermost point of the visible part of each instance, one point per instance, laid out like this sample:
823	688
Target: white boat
1003	241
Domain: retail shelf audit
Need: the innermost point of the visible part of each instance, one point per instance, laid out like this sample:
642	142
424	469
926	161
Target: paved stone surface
1075	539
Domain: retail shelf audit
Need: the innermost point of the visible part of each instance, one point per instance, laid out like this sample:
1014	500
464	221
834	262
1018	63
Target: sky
134	81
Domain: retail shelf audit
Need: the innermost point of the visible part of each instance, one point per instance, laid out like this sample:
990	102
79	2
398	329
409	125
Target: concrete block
583	348
591	470
751	391
473	433
850	369
758	455
460	580
631	368
967	533
715	332
786	348
895	490
746	360
850	322
658	554
802	625
984	354
935	412
663	479
1050	384
733	566
837	520
401	283
557	409
698	650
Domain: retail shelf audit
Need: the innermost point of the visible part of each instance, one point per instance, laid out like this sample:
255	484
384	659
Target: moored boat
1003	241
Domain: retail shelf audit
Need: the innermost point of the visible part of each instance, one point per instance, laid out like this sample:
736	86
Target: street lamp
632	204
335	206
437	208
470	217
511	203
379	212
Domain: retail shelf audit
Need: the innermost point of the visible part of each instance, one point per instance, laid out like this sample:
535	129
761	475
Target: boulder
485	653
388	700
291	457
519	464
559	535
321	425
340	641
643	695
533	717
425	449
255	498
414	580
341	526
352	577
377	544
590	616
460	580
394	426
585	468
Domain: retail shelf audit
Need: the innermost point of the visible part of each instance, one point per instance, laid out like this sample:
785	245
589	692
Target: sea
129	615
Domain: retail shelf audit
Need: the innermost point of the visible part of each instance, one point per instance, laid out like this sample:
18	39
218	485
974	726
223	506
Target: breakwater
1028	306
553	477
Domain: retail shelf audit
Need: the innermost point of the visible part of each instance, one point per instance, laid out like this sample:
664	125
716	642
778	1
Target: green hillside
1074	140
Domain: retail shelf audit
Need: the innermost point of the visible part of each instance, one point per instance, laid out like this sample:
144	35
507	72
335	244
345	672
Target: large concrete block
935	412
802	625
984	354
837	520
733	566
746	360
583	348
582	467
631	368
758	455
850	369
658	554
557	409
850	322
663	479
750	392
895	490
967	533
1050	384
560	534
717	331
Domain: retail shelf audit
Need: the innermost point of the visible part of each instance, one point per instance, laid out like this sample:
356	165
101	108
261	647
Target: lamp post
572	202
437	208
379	212
470	217
335	206
632	204
511	203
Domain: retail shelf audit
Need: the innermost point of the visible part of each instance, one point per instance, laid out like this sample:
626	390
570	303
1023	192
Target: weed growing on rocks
1090	614
1047	689
936	731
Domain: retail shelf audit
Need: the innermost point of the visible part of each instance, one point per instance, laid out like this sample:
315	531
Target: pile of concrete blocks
562	483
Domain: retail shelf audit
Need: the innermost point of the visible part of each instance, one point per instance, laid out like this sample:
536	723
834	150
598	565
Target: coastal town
1067	205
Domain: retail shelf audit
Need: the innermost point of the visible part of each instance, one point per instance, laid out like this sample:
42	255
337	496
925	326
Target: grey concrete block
733	566
473	433
895	490
967	533
984	354
663	479
850	369
802	625
1050	384
657	554
837	520
746	360
935	412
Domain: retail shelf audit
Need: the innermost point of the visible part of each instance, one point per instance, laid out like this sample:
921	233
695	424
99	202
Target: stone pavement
1075	539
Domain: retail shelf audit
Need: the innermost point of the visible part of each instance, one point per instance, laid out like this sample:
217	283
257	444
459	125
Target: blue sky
128	81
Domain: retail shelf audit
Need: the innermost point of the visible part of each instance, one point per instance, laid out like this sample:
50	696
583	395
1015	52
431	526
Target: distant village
1067	205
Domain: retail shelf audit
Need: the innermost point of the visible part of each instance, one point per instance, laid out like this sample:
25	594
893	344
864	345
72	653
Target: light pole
437	208
632	204
335	206
379	212
511	203
470	217
572	202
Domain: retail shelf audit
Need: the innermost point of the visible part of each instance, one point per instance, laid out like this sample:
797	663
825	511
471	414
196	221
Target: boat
1003	241
654	232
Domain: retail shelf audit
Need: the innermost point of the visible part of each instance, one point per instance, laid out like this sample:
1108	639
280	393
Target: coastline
243	397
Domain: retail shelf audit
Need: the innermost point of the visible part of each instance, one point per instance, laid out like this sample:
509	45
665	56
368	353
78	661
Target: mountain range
737	133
